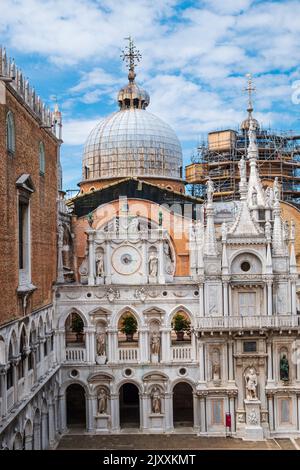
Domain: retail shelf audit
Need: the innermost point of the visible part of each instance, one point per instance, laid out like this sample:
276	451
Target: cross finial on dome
250	89
132	56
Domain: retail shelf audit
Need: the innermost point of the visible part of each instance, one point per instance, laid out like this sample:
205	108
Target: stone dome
132	142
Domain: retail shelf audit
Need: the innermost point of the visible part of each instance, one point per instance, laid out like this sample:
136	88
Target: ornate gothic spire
250	89
210	241
256	196
278	235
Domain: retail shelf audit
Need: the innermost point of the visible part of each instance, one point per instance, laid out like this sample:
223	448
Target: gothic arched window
10	133
42	158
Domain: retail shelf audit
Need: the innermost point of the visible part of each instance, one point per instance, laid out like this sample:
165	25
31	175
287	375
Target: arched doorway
183	410
76	407
129	406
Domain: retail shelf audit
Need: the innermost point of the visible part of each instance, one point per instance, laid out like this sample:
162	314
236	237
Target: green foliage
181	323
129	325
77	324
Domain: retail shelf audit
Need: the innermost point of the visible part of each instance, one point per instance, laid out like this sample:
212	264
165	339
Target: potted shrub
77	327
129	327
180	324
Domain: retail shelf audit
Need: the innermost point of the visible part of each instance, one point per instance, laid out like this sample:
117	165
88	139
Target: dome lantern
132	96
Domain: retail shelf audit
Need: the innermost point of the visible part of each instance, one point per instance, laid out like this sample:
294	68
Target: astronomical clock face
126	260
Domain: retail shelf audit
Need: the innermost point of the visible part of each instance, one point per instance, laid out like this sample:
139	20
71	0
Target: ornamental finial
250	89
132	56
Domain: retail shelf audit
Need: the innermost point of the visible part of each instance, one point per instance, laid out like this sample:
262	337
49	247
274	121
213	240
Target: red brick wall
42	207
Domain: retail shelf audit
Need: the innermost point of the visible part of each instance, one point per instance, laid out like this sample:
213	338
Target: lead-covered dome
132	142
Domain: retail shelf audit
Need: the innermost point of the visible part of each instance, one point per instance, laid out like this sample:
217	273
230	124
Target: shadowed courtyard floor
128	441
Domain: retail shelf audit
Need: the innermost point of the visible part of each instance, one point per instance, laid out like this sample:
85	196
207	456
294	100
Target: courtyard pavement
176	441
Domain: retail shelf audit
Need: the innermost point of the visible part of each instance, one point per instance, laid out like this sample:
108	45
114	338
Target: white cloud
76	131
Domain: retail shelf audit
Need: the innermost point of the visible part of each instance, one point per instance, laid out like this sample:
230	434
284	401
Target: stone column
202	413
3	372
201	362
165	345
269	359
196	413
51	425
143	411
294	297
169	411
201	299
90	343
270	410
144	259
232	410
161	267
62	413
143	345
28	442
298	406
115	412
91	257
225	298
297	357
60	345
270	297
45	440
90	425
14	364
60	269
230	361
107	262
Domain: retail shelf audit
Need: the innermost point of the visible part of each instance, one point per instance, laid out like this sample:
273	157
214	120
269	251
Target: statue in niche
284	368
210	190
133	226
102	401
251	384
153	265
216	367
155	343
100	265
101	344
156	400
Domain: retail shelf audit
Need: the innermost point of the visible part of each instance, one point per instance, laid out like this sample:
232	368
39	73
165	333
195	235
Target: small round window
245	266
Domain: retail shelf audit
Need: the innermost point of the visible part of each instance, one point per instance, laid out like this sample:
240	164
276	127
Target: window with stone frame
217	417
247	303
285	411
10	133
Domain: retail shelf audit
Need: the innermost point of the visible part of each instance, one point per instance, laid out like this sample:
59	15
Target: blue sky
195	57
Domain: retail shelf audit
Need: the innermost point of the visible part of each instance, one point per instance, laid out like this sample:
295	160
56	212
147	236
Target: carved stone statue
153	265
284	368
133	226
155	343
268	230
100	265
210	190
251	384
102	401
269	196
276	189
156	400
254	196
101	344
242	168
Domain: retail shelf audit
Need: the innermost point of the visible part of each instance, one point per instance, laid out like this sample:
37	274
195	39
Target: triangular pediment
25	182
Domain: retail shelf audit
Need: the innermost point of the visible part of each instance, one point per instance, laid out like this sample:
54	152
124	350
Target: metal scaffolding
279	155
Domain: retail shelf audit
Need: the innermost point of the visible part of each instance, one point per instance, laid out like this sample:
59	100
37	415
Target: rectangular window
217	412
247	303
249	346
285	412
